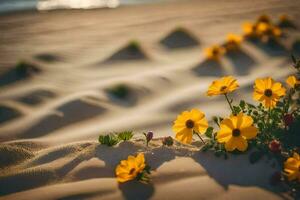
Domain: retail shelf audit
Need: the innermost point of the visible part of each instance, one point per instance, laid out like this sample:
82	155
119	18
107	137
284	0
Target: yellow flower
235	131
130	168
214	52
268	92
276	32
263	28
224	85
268	30
292	167
249	29
284	18
187	122
292	81
233	41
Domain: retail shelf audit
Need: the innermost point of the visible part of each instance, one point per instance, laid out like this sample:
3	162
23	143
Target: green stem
199	137
229	103
269	123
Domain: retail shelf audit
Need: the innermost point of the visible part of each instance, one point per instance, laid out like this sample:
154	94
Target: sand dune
50	120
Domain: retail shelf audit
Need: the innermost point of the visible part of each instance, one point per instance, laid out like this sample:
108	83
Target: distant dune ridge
132	51
53	110
179	38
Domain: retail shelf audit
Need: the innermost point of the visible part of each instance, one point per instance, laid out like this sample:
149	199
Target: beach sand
50	120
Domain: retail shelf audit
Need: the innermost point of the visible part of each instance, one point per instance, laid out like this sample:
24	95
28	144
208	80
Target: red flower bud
275	146
149	136
288	119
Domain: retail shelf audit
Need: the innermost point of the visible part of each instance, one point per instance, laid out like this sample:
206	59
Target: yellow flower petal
276	91
236	143
130	168
224	85
183	131
296	156
185	136
291	167
224	134
292	81
249	132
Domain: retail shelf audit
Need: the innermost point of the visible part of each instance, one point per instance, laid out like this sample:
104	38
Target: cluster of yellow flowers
262	28
236	129
232	43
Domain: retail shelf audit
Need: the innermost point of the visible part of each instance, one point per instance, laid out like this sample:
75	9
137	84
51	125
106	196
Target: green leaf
242	104
236	109
205	147
148	169
125	135
109	140
250	105
209	132
280	104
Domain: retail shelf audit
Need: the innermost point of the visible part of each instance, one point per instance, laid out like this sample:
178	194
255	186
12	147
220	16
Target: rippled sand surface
50	121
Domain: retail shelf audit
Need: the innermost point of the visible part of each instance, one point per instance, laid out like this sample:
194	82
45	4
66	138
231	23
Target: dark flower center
189	123
215	51
236	132
268	92
131	171
223	88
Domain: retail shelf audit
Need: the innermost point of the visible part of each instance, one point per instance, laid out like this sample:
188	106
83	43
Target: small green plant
112	139
120	91
168	141
125	135
144	176
134	44
109	140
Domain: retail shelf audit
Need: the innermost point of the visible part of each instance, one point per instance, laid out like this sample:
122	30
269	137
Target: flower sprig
134	167
270	128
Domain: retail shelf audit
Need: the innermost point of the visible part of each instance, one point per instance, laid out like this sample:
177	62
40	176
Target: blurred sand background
50	122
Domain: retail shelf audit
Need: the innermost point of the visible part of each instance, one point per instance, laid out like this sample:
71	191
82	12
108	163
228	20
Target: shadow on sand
48	57
296	48
271	47
179	38
237	170
241	61
8	114
21	71
133	51
36	97
209	68
69	113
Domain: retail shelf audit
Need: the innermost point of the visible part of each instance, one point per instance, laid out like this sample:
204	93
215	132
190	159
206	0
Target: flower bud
275	146
288	119
149	136
168	141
